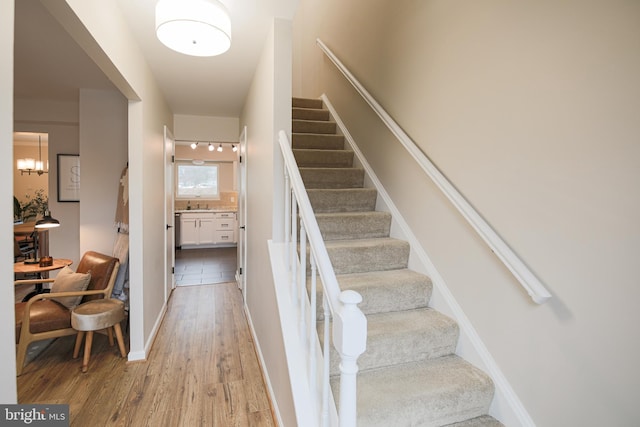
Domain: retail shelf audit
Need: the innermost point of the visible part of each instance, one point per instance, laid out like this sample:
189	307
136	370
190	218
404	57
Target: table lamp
43	224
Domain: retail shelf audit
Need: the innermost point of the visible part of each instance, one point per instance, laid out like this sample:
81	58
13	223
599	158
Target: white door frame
169	198
242	215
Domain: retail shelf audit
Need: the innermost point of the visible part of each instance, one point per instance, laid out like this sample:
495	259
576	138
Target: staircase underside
409	375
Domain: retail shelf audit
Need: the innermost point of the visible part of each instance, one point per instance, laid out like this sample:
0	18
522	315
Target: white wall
103	156
8	391
262	115
206	128
531	110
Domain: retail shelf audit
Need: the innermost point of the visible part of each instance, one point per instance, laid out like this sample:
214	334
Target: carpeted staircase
409	375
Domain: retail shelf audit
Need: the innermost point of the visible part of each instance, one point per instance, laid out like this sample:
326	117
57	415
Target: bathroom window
199	181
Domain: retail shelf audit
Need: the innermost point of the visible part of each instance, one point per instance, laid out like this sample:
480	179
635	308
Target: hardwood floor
202	371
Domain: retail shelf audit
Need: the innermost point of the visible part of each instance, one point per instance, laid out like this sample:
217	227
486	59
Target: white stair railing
536	290
340	308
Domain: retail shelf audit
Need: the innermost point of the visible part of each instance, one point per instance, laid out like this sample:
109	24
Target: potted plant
35	206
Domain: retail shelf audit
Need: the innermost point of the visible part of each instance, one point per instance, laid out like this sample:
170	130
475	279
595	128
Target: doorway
205	266
30	175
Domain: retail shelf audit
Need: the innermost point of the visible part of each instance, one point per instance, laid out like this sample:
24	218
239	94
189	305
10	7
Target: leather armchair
42	318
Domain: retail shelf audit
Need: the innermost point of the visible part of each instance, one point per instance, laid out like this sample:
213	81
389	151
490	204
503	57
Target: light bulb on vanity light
211	147
220	148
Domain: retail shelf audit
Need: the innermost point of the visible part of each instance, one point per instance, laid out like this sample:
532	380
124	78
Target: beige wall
270	88
531	110
103	156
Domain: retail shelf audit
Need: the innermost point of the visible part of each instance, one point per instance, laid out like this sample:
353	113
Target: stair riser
309	114
309	126
306	103
317	141
424	334
376	257
323	158
332	178
354	226
348	200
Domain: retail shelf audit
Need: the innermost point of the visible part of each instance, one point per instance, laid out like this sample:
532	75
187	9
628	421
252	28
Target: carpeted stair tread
343	199
384	291
297	102
400	337
317	141
323	158
432	392
392	290
354	225
313	126
360	255
483	421
309	114
332	177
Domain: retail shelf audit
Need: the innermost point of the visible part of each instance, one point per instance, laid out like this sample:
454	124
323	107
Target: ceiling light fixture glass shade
220	148
234	148
193	27
211	147
194	145
29	165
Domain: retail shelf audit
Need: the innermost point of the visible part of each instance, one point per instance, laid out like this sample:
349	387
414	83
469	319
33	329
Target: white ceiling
50	65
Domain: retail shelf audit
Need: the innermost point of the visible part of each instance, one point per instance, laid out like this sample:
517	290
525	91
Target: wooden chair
43	318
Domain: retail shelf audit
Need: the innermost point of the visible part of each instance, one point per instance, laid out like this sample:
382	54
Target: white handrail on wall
349	324
536	290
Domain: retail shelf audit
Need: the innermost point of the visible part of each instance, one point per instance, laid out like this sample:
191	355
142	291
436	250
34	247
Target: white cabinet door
207	230
189	231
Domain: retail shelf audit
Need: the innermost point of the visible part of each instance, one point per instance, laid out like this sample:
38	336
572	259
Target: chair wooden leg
87	351
76	348
110	335
20	357
118	330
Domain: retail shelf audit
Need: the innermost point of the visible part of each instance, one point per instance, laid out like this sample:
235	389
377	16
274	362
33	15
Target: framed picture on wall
68	178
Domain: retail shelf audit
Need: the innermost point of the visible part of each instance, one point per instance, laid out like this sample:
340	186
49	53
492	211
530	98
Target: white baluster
287	217
293	253
350	339
302	281
313	357
326	350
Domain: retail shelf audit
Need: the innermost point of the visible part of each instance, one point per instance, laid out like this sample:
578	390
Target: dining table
38	270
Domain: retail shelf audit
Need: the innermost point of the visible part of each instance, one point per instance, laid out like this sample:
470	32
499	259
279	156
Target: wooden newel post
350	339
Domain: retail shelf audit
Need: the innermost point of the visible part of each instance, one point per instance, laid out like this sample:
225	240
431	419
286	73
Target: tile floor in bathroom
205	266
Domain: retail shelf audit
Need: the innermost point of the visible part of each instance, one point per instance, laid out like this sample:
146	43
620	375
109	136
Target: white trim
506	406
142	355
521	272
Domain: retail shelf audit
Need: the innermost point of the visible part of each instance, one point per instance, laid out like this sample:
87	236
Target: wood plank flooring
202	371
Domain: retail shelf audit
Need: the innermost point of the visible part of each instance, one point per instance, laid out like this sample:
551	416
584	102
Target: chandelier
29	165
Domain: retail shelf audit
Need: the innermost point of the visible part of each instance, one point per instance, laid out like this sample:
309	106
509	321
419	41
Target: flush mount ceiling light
193	27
